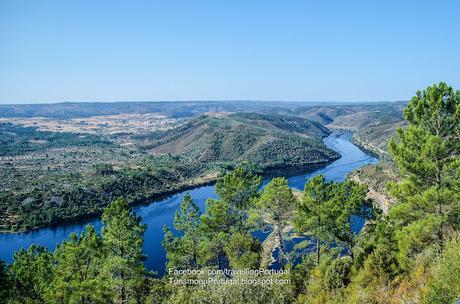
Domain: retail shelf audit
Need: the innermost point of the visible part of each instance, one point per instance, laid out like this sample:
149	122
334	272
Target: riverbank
157	215
206	180
209	179
368	147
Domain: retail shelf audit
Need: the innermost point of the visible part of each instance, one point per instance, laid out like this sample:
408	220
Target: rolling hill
55	177
268	140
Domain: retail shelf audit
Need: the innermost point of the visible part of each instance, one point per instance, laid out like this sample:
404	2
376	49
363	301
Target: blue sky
53	51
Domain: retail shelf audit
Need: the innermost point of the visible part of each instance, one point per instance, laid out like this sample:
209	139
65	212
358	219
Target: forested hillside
372	124
267	141
54	177
411	254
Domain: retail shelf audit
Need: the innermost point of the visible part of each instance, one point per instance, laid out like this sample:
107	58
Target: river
160	213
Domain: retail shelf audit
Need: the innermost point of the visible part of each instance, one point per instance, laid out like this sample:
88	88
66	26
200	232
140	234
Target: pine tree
327	211
426	153
243	251
122	236
5	287
311	213
31	274
184	251
238	189
227	215
348	201
216	226
277	205
78	278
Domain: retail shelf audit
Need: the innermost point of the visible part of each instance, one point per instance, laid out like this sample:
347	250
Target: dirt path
269	246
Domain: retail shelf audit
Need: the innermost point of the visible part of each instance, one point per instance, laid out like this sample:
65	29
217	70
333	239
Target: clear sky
54	51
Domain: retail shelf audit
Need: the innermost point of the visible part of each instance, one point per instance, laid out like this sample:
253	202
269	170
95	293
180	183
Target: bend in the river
162	212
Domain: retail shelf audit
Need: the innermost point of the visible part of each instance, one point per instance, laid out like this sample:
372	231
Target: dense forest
411	254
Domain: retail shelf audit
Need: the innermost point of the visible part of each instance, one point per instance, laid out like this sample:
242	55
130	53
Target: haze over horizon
105	51
268	102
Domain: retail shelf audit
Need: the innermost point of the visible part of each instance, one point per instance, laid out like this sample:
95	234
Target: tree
327	211
216	227
277	205
311	213
243	251
122	236
228	214
378	249
337	274
444	286
77	278
5	288
347	203
238	189
31	274
426	153
183	251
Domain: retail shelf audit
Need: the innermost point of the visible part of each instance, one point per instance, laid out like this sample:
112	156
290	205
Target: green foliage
268	141
229	214
217	226
31	274
276	203
348	200
327	210
413	239
337	274
378	249
103	169
239	190
426	154
184	252
122	236
5	284
317	288
85	268
445	283
77	275
311	212
221	234
16	140
243	251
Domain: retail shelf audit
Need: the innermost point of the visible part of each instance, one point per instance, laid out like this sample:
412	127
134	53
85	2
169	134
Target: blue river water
161	212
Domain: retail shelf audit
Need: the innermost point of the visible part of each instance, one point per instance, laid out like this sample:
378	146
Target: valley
66	165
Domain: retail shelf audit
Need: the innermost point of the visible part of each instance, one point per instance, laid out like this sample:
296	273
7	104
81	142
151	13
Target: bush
337	274
445	285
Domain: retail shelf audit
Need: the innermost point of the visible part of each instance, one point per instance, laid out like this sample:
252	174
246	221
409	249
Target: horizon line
200	100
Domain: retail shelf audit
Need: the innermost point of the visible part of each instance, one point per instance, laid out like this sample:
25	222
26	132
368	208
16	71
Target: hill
53	177
270	141
372	124
354	116
171	109
375	138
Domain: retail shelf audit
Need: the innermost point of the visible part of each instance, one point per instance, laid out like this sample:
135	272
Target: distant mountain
269	140
322	112
68	110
